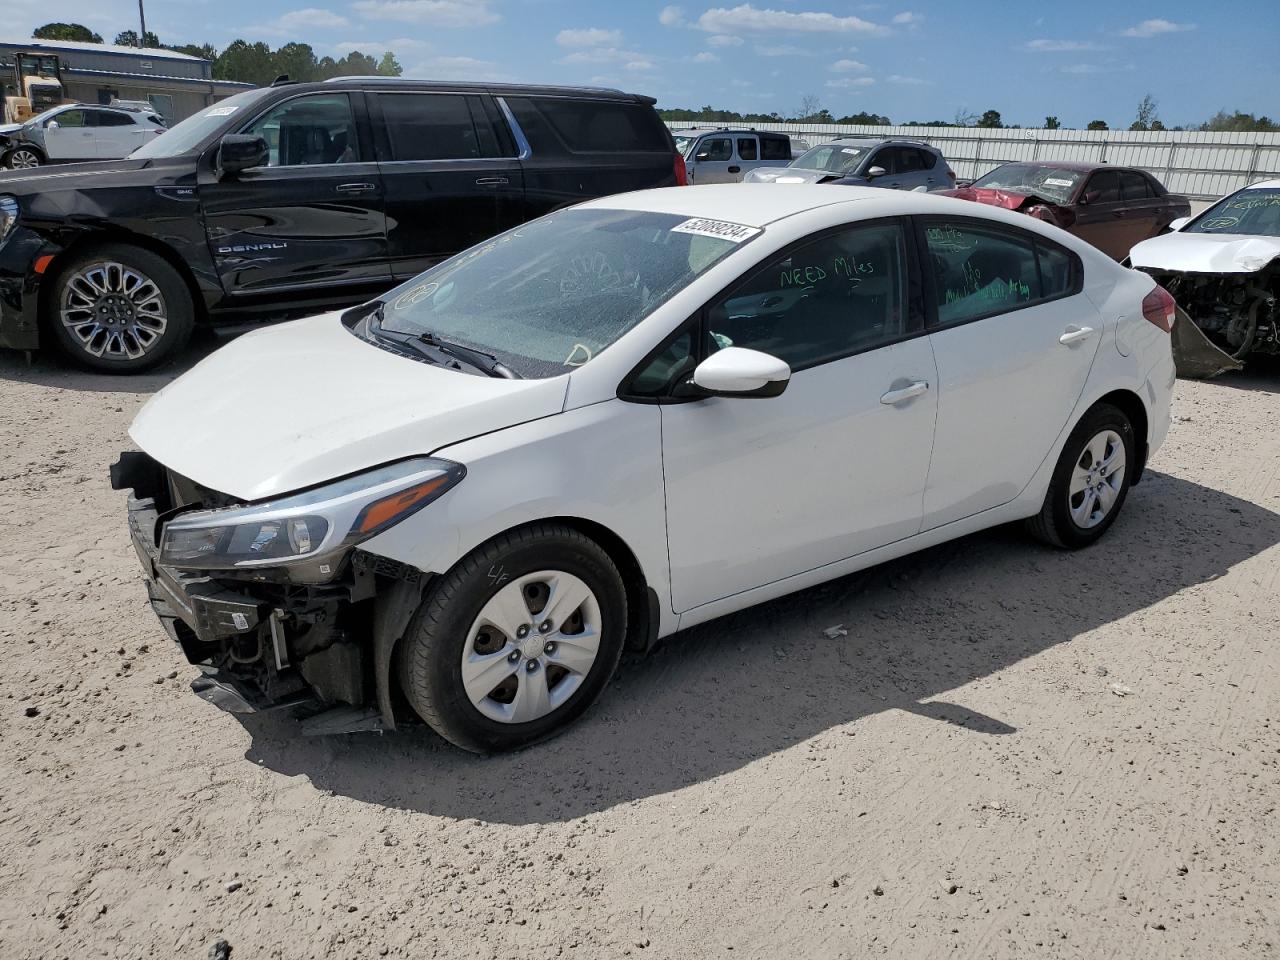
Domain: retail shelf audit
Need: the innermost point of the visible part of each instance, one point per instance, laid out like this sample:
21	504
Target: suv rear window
775	148
589	126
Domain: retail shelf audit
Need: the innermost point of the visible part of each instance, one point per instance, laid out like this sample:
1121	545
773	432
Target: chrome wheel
113	311
531	647
1097	479
23	159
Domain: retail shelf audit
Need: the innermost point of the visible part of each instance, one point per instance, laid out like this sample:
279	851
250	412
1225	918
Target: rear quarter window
775	148
589	126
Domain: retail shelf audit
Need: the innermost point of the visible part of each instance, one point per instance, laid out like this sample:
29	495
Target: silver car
726	154
865	162
76	132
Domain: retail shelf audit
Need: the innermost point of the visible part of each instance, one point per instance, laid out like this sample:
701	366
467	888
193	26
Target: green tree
389	66
205	51
1146	115
865	119
1052	123
129	38
297	60
76	32
1239	122
990	120
246	62
1097	125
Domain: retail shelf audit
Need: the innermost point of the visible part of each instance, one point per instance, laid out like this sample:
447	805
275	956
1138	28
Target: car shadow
50	368
728	693
1261	374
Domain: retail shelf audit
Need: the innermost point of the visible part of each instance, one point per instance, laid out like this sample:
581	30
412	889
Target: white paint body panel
1206	252
723	502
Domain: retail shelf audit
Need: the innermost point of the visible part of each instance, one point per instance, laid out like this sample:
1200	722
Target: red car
1112	208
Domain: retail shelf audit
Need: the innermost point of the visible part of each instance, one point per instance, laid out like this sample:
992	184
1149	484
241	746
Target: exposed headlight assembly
8	215
311	529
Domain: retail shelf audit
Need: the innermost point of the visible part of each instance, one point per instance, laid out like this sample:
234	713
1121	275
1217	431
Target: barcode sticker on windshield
849	150
1056	182
733	232
221	112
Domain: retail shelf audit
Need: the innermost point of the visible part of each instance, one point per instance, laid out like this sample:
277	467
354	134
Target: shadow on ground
728	693
50	368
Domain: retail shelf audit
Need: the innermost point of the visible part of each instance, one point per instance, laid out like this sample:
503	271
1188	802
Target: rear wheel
517	640
25	158
1090	481
120	308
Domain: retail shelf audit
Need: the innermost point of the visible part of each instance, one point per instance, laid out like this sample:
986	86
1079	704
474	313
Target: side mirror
238	152
704	155
51	125
1090	196
1178	224
873	172
739	372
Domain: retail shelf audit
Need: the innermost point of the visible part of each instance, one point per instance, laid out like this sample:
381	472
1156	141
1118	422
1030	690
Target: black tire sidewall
431	661
177	299
1100	418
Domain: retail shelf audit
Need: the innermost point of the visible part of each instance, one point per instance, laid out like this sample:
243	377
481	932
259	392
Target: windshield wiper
486	363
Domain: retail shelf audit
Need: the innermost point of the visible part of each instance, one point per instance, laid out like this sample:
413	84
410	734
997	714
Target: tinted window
775	148
715	148
1133	186
831	297
109	118
1058	271
979	270
589	126
747	148
1103	187
907	160
927	159
430	126
309	131
70	118
884	158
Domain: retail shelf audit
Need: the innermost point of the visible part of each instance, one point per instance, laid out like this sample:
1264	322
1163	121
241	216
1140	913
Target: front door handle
909	392
1075	335
354	188
492	182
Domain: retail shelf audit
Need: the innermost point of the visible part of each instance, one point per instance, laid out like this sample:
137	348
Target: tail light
1160	308
682	175
952	174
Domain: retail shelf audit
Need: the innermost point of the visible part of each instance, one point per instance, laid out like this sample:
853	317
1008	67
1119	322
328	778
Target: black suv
300	197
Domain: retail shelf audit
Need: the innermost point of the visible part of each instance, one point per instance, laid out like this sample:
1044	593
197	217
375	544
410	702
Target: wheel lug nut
544	626
550	647
514	656
522	631
530	666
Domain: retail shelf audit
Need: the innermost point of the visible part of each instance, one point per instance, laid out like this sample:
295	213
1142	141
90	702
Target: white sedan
464	499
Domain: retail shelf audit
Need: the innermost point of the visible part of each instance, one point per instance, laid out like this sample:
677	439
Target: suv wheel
25	158
120	308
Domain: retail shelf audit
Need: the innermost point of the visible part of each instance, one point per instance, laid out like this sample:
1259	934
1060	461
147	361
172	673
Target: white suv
77	132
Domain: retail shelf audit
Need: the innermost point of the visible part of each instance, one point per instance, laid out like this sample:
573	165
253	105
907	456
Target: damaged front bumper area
262	640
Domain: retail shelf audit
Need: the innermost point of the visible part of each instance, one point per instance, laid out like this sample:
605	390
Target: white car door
68	136
762	489
1014	338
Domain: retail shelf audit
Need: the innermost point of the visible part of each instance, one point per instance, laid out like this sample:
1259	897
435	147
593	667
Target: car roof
685	131
497	89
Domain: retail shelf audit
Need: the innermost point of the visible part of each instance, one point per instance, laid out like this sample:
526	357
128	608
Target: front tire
120	308
517	640
1090	482
24	158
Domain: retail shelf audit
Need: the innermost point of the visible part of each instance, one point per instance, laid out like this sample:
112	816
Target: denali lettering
252	247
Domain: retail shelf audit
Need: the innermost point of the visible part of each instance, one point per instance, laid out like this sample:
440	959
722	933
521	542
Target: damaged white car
1223	268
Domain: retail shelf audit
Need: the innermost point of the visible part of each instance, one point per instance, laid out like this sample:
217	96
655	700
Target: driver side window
719	148
309	131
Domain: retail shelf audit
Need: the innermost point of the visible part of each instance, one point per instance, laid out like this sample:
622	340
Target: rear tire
120	308
1090	482
517	640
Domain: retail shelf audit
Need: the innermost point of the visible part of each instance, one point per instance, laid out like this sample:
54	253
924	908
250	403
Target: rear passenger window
927	159
1103	187
908	160
1133	186
1058	272
431	126
589	126
747	148
979	271
775	148
109	118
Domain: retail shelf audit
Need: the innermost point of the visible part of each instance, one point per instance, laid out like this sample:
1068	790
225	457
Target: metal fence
1200	165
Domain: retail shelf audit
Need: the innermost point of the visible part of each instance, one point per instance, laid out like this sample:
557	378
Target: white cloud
706	57
906	81
782	50
458	68
671	16
437	13
745	17
724	40
1091	68
1153	28
310	17
908	19
589	37
848	66
400	45
848	83
629	59
1061	46
638	66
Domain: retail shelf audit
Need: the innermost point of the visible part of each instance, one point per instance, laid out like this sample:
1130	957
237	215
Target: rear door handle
353	188
735	169
1075	335
492	182
910	392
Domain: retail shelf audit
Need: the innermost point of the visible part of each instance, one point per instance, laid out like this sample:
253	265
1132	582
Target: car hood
788	175
298	404
1206	252
9	127
988	195
84	173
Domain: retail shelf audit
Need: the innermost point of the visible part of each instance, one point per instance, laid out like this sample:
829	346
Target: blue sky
910	60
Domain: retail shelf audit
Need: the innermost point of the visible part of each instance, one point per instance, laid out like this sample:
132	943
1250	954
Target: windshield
832	158
684	145
192	132
1254	212
549	295
1048	182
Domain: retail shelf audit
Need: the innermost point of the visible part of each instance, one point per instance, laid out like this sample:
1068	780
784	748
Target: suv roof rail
378	78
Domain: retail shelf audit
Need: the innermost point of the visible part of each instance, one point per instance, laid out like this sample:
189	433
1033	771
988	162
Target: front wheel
1090	481
25	158
517	640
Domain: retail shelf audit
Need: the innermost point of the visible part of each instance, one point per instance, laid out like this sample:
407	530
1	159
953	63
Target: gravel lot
1014	752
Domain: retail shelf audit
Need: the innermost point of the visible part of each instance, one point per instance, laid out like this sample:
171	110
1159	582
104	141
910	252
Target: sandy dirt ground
1014	753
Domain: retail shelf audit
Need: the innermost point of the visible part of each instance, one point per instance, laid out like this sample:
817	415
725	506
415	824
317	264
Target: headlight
307	527
8	215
